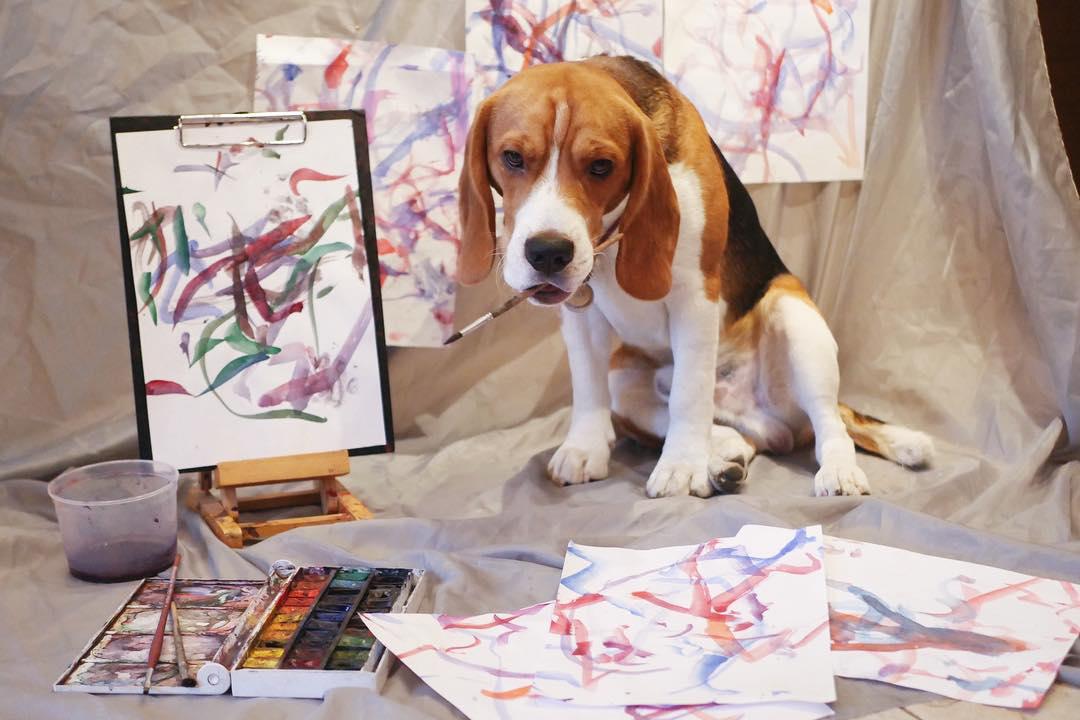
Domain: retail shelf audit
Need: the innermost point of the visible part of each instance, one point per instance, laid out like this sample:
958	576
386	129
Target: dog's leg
810	353
684	464
585	453
638	409
639	398
641	412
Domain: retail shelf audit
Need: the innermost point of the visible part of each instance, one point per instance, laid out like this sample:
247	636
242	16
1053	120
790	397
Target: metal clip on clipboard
210	131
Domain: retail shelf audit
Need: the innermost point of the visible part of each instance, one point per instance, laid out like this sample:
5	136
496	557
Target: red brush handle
159	634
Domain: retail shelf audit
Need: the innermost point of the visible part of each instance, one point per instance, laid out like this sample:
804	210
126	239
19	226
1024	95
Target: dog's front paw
572	464
680	474
729	455
841	478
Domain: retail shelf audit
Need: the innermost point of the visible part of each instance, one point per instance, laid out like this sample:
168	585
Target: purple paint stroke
220	170
301	390
253	230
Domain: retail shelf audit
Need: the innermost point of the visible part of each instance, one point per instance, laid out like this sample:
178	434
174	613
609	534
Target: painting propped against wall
416	102
507	36
781	84
252	289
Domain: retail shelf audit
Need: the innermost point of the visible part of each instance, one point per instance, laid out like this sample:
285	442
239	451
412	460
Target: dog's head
571	155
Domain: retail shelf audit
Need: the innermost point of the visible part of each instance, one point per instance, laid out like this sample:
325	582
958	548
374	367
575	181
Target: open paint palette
296	634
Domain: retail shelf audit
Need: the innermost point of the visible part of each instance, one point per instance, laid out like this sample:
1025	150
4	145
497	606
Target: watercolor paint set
297	634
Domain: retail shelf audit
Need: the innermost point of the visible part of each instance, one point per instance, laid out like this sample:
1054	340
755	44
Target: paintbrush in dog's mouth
488	317
545	294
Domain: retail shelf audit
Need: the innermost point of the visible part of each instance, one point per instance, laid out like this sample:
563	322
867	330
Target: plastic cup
117	519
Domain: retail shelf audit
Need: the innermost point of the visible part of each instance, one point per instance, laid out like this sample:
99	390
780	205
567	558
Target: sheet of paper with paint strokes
781	84
417	103
484	666
955	628
507	36
251	301
735	620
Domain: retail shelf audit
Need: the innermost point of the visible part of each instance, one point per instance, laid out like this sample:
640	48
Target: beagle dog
698	339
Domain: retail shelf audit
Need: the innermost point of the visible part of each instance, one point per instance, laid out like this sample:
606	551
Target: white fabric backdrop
950	275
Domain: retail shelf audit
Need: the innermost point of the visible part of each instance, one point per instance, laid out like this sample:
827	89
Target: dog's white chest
641	324
646	325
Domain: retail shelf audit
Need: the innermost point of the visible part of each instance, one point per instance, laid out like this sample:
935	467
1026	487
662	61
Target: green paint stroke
148	228
200	215
242	343
311	304
281	414
207	341
128	191
183	251
280	134
307	260
285	414
233	368
146	297
325	291
331	214
267	152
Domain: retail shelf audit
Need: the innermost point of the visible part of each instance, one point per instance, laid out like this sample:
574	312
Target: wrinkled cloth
950	277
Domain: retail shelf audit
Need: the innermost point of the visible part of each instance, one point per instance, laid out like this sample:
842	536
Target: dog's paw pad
838	478
672	478
572	465
726	477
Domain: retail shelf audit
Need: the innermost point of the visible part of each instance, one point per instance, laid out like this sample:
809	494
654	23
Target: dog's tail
902	445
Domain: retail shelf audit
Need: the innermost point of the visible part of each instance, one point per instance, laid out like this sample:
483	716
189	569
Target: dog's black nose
549	253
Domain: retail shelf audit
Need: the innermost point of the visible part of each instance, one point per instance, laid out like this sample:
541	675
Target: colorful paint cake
316	624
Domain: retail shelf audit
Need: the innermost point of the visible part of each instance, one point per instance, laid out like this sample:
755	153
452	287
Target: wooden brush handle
159	634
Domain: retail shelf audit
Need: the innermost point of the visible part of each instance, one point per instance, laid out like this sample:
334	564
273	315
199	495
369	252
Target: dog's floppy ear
650	223
475	203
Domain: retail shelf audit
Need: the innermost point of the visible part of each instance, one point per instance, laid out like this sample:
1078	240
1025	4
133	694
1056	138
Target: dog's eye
513	160
600	168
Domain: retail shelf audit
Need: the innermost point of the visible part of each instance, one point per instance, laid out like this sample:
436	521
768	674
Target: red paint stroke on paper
250	253
257	294
336	69
304	174
165	387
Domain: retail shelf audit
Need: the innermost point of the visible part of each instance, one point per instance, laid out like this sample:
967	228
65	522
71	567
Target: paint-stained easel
221	511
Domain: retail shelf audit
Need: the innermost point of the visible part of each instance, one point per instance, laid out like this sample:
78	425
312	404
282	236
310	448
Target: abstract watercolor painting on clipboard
416	100
255	327
781	84
507	36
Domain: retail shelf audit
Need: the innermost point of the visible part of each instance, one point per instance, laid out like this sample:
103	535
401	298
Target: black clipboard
249	126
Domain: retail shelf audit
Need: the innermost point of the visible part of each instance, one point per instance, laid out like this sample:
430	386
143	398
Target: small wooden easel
222	513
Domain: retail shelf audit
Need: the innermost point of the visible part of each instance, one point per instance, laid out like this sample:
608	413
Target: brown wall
1060	20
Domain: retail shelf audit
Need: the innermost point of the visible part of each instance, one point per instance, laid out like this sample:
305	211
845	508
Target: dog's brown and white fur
721	353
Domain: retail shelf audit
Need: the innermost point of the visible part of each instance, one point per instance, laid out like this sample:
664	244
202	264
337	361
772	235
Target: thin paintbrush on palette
297	634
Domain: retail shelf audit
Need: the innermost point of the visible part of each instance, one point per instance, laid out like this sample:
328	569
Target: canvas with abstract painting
416	101
507	36
253	307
